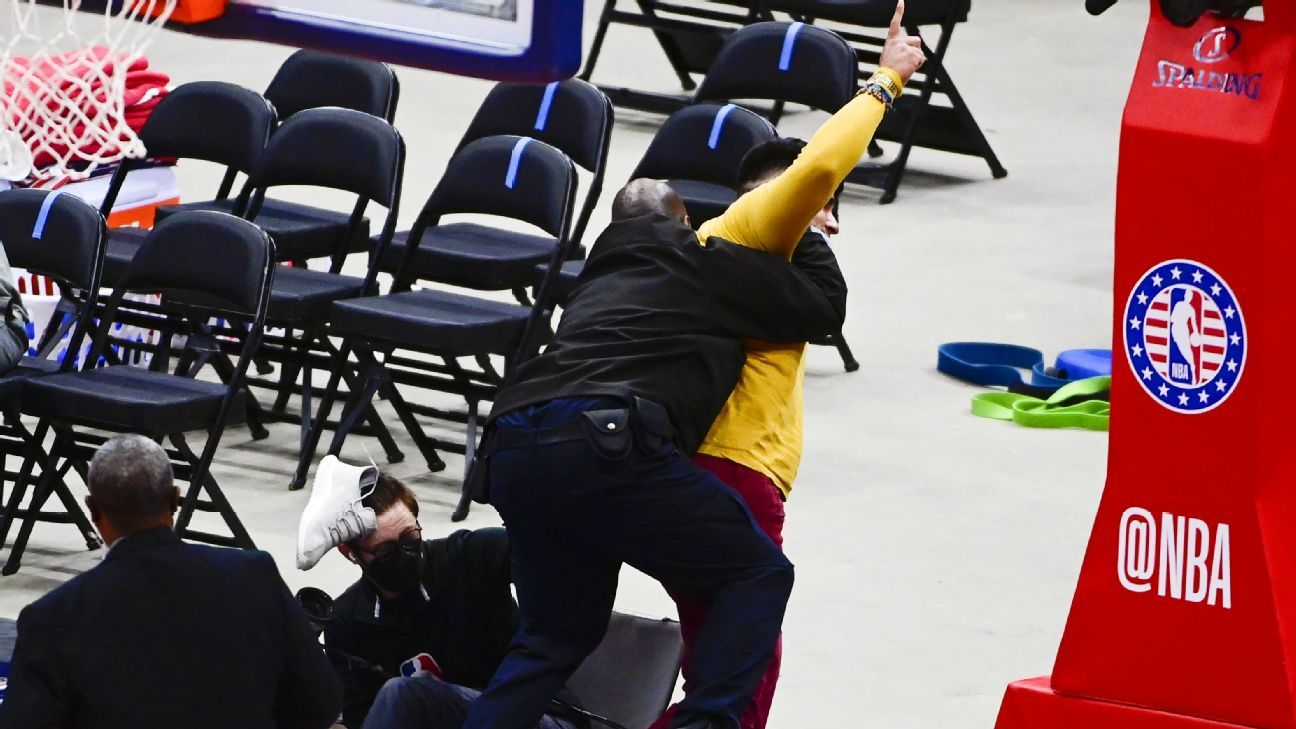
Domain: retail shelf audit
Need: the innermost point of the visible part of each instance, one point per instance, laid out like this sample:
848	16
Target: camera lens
316	603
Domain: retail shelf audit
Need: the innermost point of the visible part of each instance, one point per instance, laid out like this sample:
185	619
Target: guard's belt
988	363
509	438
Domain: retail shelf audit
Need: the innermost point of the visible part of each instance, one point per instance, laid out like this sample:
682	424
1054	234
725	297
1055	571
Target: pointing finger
896	30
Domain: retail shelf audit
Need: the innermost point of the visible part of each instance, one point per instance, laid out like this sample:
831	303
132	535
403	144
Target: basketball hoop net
63	112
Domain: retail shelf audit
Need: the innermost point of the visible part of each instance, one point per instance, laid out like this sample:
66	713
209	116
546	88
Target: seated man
417	637
13	318
163	633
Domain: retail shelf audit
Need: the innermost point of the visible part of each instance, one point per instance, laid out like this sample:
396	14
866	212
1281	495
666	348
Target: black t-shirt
656	315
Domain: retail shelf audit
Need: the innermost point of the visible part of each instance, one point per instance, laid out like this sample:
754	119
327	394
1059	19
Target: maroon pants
765	502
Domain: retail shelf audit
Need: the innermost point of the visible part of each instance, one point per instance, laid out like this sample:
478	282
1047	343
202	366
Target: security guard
586	461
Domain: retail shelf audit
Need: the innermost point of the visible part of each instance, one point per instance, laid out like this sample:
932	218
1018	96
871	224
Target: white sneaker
334	514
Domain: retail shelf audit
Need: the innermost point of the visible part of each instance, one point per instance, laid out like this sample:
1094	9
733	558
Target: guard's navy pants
574	517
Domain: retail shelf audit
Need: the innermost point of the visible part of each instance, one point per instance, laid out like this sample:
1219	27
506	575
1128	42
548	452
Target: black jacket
165	634
815	258
658	316
466	621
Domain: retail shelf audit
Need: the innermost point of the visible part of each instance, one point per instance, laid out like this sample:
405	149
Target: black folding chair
204	264
309	80
207	120
59	236
506	176
783	63
697	152
572	116
690	33
916	121
627	682
313	79
336	149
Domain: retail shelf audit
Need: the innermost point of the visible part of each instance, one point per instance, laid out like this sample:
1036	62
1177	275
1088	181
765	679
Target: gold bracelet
879	93
886	82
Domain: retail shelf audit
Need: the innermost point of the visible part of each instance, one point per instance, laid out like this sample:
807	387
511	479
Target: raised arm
774	216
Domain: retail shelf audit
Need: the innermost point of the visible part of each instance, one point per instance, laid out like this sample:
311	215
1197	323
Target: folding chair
697	152
629	679
783	62
572	116
336	149
916	121
207	120
310	80
511	177
204	264
690	33
61	237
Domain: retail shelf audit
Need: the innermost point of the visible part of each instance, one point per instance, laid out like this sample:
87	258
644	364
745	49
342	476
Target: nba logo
1185	351
1184	336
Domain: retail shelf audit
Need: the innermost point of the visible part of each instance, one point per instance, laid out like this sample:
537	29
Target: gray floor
936	552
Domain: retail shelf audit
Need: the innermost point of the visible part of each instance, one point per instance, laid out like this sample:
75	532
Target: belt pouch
608	432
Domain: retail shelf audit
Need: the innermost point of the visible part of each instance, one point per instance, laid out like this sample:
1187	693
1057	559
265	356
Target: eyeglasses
413	535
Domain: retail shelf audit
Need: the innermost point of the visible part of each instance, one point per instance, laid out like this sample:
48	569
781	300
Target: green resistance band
1059	411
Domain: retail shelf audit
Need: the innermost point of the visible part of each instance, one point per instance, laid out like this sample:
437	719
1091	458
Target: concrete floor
936	552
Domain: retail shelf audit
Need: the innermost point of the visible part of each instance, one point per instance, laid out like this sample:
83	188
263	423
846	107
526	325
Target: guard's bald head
646	197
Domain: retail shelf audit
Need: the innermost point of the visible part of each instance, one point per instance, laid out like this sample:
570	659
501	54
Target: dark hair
768	159
387	492
131	481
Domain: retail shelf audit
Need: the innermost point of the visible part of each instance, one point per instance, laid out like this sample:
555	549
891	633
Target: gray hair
131	479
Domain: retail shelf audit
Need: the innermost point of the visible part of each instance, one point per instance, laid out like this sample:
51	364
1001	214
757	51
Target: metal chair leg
311	442
470	449
200	480
44	487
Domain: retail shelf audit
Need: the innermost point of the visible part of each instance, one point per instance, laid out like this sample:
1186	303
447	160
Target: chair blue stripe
39	229
543	116
789	42
718	124
514	161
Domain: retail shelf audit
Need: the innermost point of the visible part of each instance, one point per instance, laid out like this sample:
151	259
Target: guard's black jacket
656	315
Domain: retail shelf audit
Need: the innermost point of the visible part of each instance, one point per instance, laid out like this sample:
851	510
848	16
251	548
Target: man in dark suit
163	633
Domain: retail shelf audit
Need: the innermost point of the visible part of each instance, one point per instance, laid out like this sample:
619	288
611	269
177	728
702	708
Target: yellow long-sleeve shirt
760	425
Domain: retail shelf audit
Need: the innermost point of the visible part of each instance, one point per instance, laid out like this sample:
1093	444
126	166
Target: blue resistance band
988	363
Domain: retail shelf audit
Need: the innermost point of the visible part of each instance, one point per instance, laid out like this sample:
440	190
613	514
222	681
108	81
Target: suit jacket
168	634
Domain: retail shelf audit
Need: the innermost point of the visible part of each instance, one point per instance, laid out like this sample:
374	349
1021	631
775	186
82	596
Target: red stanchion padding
1185	612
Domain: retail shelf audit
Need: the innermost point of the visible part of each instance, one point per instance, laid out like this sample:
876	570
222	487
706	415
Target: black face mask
401	571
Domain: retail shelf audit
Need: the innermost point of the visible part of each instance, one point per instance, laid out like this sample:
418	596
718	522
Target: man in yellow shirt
754	445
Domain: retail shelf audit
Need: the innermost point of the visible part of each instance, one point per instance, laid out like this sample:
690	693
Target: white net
64	110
